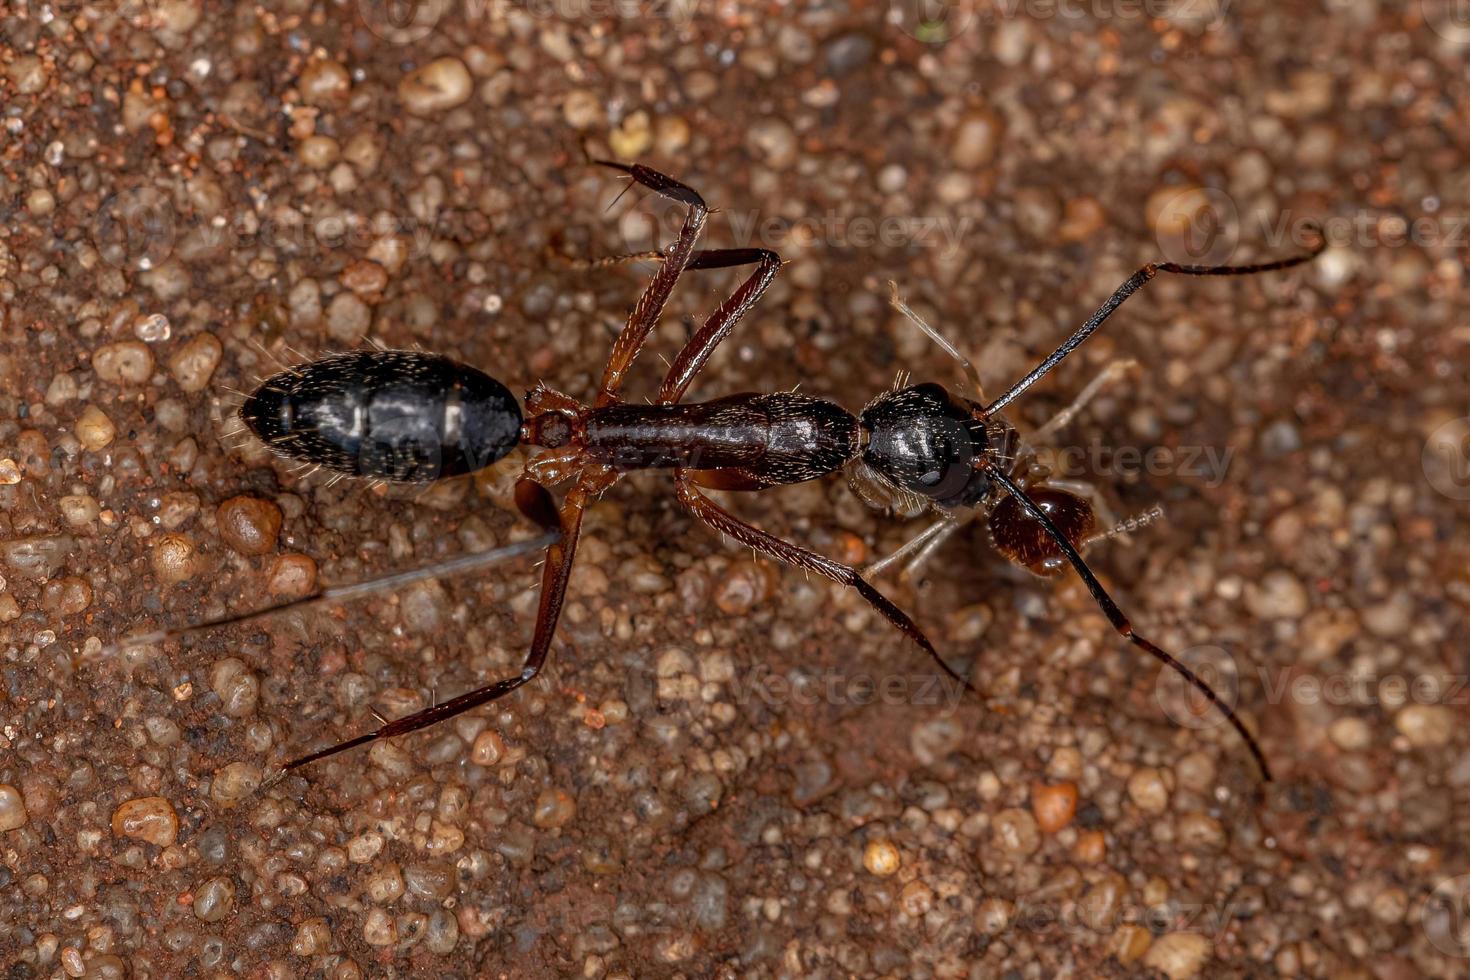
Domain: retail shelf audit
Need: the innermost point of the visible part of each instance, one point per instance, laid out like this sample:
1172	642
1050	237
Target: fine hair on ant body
415	417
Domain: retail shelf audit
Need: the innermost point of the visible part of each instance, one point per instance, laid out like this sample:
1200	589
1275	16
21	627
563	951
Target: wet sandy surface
733	770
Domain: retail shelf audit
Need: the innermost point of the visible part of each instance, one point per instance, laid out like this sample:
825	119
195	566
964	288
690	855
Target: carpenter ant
410	416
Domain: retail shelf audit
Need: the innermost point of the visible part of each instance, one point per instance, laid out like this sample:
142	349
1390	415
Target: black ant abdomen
387	414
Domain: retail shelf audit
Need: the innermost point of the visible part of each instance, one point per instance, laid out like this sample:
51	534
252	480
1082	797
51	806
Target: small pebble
881	857
1201	832
94	430
440	85
194	363
1425	725
1178	955
1148	791
318	152
249	525
348	318
992	916
378	928
1015	832
774	141
632	137
324	83
236	686
1350	734
1278	595
554	807
215	899
174	559
234	783
365	278
125	362
1053	805
291	576
489	748
582	109
150	819
977	139
12	808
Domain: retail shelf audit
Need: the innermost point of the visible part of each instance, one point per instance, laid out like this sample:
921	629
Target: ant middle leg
721	520
1114	370
917	550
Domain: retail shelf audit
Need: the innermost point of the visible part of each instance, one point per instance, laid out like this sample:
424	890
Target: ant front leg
651	304
691	360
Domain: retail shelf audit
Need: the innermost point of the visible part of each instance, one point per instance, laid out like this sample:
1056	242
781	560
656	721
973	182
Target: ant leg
919	547
1133	284
344	593
1117	618
896	301
536	503
773	547
703	258
1114	371
696	353
651	304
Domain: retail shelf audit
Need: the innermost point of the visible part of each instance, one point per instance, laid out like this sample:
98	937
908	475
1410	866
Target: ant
416	417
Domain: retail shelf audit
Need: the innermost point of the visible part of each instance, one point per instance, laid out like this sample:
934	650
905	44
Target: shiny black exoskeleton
392	415
925	440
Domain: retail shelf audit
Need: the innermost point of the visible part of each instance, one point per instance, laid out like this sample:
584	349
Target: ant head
925	441
1026	543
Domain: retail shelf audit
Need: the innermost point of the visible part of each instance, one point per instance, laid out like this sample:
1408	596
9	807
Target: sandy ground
733	770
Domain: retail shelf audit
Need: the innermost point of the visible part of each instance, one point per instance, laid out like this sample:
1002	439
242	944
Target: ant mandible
415	417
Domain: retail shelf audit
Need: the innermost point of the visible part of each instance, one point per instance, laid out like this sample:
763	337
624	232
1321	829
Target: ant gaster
410	416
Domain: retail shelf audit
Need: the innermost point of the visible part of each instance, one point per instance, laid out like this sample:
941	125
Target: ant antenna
1115	615
1134	283
342	593
896	301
